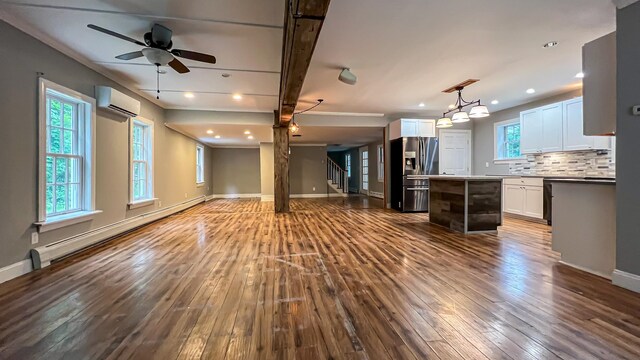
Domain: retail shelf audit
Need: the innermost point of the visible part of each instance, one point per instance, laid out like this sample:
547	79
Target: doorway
455	152
364	170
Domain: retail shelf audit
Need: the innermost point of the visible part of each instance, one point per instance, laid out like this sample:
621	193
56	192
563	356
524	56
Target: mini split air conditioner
117	102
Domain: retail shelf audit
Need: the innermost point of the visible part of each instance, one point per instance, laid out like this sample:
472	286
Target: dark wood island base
466	204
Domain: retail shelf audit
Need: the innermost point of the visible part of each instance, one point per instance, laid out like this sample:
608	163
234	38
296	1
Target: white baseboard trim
377	195
336	195
626	280
267	198
582	268
43	255
208	198
14	270
307	196
235	196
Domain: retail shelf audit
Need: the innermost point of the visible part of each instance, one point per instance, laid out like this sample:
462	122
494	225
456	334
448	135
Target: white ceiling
407	52
244	35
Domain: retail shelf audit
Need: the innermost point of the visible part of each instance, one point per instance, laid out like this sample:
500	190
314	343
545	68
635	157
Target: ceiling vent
117	102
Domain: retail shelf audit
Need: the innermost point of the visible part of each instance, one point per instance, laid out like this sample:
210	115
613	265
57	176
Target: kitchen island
466	204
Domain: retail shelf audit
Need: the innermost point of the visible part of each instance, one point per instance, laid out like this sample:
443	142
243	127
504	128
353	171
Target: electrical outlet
34	238
159	203
314	189
185	195
486	164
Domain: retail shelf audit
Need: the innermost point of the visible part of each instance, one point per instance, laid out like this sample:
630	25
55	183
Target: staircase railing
338	176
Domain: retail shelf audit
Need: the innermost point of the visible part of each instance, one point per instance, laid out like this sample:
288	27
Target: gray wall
483	142
308	169
375	185
236	170
628	146
22	57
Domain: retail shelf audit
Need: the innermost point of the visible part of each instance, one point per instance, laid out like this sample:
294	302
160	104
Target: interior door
455	152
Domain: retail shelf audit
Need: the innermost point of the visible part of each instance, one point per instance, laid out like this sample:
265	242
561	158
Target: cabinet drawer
523	181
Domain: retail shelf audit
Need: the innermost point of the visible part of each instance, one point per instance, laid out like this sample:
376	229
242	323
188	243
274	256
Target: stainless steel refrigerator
412	161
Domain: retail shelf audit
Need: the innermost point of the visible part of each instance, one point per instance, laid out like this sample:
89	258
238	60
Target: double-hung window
507	140
199	164
380	163
347	161
141	166
66	156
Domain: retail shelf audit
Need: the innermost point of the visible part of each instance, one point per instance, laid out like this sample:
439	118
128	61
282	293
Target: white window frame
364	181
86	107
380	153
148	131
200	165
497	159
347	162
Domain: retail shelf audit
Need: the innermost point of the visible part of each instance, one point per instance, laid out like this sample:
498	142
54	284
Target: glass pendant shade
444	123
294	128
479	111
460	117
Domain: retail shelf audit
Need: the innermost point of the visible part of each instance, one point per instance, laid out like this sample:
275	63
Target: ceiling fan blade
130	56
161	36
178	66
192	55
115	34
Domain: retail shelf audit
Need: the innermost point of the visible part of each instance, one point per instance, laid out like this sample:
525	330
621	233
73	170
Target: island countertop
465	177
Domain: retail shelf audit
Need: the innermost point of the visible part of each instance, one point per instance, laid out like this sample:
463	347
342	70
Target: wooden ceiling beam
302	24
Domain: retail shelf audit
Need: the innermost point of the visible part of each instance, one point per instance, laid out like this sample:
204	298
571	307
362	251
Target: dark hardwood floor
336	278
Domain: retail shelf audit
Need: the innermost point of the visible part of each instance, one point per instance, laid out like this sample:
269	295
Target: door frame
442	142
360	182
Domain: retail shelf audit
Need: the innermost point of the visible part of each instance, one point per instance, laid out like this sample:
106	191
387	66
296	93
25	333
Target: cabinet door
552	127
533	201
514	199
574	138
426	128
409	128
530	131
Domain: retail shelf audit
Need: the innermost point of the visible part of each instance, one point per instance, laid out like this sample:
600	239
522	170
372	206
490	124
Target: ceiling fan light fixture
157	56
479	111
460	117
443	123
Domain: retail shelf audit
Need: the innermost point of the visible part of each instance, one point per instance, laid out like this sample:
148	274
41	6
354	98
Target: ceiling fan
158	48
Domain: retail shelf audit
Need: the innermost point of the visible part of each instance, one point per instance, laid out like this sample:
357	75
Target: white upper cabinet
557	127
531	131
551	127
412	128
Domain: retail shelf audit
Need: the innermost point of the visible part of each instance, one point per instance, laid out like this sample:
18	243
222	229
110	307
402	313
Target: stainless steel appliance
412	161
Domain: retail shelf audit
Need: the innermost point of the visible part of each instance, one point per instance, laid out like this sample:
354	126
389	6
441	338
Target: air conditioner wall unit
117	102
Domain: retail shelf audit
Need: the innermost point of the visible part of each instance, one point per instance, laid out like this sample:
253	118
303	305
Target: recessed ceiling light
226	75
451	106
421	104
247	132
209	132
580	75
237	97
217	136
550	44
250	137
189	95
495	102
531	91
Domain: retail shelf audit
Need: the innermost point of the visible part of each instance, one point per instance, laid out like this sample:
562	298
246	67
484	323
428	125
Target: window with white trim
507	140
141	160
66	154
199	164
380	163
347	161
365	170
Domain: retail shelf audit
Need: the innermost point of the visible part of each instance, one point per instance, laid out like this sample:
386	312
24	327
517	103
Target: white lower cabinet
524	197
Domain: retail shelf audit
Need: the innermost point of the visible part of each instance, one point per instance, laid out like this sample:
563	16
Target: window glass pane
136	189
61	198
61	170
74	170
142	189
49	170
74	196
142	172
49	199
54	140
136	171
68	142
68	116
54	112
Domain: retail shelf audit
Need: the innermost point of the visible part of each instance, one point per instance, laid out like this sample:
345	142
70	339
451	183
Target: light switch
486	164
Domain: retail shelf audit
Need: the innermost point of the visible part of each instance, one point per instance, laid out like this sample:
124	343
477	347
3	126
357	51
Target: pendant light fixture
459	116
293	127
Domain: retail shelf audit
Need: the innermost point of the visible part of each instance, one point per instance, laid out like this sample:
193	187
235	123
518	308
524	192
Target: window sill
57	222
200	184
141	203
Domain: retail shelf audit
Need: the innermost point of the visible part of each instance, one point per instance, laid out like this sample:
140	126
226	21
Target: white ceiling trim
329	113
142	15
191	67
29	30
623	3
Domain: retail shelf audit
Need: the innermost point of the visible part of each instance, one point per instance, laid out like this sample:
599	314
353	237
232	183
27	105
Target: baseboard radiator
43	256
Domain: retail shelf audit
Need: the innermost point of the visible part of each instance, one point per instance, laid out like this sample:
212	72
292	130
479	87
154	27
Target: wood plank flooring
334	279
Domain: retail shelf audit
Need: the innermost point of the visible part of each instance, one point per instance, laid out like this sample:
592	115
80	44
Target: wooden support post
281	166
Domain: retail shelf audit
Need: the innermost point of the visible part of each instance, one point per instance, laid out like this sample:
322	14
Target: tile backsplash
579	163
